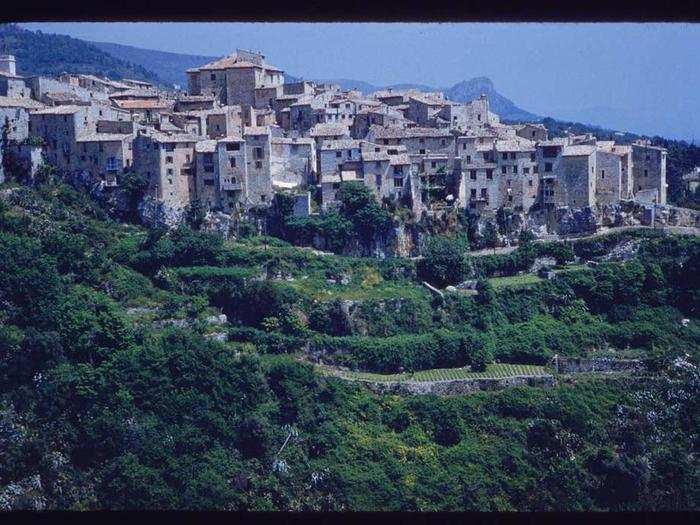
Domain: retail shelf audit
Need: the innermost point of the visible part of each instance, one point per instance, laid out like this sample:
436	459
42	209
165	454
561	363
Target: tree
444	262
490	236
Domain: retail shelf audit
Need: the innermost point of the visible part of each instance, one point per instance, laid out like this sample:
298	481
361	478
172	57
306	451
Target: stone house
59	127
232	166
649	172
15	111
167	162
258	147
103	155
146	111
242	78
535	132
293	162
381	116
207	174
185	103
576	177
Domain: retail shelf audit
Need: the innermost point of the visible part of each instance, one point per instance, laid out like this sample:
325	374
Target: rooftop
103	137
205	146
59	110
581	150
384	132
28	103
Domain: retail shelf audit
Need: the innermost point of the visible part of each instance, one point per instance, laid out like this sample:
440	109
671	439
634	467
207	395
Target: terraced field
527	279
493	371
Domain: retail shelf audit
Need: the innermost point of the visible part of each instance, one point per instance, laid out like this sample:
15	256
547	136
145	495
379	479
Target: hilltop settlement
240	136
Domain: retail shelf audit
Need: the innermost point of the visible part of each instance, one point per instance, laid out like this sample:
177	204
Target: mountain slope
39	53
468	90
170	67
464	91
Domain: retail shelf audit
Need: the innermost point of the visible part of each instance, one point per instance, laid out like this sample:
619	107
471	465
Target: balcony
230	186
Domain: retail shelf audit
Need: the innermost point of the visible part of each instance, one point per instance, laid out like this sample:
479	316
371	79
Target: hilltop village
241	134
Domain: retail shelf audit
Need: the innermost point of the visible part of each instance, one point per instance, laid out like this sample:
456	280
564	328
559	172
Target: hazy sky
640	77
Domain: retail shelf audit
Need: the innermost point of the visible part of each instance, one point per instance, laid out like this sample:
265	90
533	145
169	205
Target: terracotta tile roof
142	104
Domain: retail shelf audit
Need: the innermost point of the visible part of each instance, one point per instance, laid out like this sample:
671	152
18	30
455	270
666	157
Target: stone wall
583	365
457	387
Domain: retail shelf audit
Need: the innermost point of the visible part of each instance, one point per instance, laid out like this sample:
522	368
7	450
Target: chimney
7	64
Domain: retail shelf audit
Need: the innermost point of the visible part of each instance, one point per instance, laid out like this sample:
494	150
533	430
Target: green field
526	279
493	371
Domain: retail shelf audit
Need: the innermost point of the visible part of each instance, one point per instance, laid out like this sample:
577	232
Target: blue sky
636	77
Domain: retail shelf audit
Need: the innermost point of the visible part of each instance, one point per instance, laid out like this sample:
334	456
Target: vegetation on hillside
118	392
40	53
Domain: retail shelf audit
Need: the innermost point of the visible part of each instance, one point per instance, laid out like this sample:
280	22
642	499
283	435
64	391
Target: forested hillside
121	387
39	53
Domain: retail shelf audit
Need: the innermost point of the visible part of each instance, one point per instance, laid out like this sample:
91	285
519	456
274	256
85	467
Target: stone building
649	172
166	161
103	155
293	162
15	112
242	78
59	127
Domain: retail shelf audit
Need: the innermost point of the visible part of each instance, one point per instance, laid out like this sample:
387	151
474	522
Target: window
648	157
464	145
510	198
508	182
386	141
504	156
169	160
485	193
532	157
232	160
469	159
602	174
398	183
512	155
532	134
233	146
489	174
526	169
170	147
422	152
646	173
442	142
535	169
433	164
258	153
397	170
472	174
547	167
529	183
473	193
212	76
208	182
262	198
478	117
170	171
515	168
112	164
336	185
170	181
504	169
258	164
378	180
